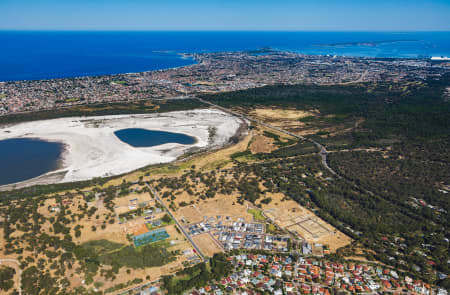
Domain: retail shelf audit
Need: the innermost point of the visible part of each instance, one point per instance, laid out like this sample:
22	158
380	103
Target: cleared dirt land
283	114
208	245
221	205
290	216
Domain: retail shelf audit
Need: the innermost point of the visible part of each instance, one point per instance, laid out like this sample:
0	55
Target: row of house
278	274
213	224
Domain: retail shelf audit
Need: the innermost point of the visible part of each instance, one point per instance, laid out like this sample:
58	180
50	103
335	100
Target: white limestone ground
92	149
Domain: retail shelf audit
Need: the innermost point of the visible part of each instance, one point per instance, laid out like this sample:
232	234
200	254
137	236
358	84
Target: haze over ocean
45	55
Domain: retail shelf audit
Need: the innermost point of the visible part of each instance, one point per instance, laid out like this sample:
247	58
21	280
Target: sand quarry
92	149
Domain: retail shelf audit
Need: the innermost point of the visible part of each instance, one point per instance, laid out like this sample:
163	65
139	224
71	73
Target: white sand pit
93	150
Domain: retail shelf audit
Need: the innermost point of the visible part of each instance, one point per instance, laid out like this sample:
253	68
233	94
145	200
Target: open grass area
257	214
73	99
178	279
102	246
270	228
109	253
279	141
151	226
245	156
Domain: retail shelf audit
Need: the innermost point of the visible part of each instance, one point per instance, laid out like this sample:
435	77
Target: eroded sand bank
92	149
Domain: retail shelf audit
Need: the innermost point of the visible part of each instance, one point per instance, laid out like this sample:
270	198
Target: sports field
150	237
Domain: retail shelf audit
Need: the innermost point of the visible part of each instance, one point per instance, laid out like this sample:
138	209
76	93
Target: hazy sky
338	15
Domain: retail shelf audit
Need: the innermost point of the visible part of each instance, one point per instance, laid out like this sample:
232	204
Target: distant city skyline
230	15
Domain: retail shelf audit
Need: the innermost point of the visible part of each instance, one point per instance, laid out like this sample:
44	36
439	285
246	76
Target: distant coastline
365	43
187	61
53	55
212	73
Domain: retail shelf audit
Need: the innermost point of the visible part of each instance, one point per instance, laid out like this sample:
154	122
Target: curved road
323	152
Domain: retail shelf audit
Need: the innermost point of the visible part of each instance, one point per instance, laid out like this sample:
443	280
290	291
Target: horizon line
219	30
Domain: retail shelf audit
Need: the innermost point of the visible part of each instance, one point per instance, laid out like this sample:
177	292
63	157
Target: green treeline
198	275
104	109
6	278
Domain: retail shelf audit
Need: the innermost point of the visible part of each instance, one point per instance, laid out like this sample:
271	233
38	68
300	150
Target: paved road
20	271
139	287
176	221
323	152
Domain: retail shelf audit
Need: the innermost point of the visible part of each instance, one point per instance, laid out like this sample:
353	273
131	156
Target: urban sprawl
212	72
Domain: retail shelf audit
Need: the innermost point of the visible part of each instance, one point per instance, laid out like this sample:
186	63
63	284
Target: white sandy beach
92	149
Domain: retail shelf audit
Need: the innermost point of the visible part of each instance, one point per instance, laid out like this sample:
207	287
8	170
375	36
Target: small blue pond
24	158
138	137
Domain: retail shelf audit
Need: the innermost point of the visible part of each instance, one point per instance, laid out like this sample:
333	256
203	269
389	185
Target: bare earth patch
261	144
221	205
282	114
208	245
290	216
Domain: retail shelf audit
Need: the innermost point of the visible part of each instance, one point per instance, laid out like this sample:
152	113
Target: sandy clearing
220	205
207	244
261	144
289	215
133	199
284	114
92	149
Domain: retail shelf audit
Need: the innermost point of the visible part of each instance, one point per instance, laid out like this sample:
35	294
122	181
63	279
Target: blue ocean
46	55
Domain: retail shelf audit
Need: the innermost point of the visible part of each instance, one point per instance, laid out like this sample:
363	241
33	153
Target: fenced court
150	237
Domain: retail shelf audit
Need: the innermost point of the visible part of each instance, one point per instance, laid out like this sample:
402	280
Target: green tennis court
150	237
